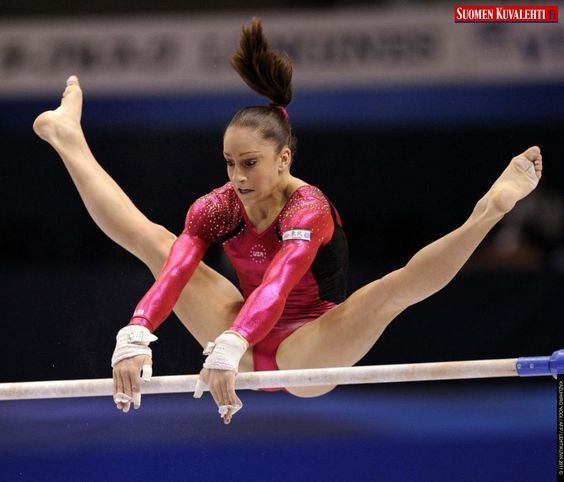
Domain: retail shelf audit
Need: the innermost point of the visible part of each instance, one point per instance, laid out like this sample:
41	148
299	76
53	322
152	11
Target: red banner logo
506	14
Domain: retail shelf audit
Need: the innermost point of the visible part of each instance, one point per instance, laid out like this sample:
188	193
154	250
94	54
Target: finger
126	403
122	398
225	399
200	387
147	371
233	409
214	386
238	405
136	393
126	384
114	389
228	415
232	396
119	389
224	411
126	379
136	400
122	401
216	395
234	400
227	381
201	383
229	399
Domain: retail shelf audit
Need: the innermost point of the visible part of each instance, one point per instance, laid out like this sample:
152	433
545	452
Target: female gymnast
282	235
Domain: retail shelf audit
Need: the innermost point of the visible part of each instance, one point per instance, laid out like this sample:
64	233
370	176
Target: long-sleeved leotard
290	273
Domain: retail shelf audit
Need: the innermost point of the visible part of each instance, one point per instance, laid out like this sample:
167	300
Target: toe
532	153
72	85
72	80
524	160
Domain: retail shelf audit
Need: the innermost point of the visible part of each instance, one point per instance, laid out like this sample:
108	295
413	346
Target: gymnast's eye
230	163
250	162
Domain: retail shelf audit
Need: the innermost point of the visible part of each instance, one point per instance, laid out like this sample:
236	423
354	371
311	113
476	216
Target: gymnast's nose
239	176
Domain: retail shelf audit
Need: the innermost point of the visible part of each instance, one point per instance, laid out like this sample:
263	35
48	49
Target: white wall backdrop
357	48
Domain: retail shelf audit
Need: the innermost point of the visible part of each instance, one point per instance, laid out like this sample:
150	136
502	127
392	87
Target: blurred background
404	120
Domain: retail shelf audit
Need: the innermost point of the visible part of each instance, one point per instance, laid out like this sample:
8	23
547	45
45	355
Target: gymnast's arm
132	347
303	234
185	254
265	305
205	222
183	258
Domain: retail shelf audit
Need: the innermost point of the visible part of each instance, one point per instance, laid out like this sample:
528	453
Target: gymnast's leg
210	302
342	336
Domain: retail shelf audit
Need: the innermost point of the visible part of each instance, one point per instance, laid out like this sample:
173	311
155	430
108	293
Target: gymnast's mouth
245	191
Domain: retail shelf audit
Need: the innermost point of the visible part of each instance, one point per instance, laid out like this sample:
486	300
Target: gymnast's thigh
341	336
208	304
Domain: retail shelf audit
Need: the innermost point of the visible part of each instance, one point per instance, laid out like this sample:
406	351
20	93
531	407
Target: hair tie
281	108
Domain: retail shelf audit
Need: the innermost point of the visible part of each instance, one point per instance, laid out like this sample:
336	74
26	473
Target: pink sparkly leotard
290	273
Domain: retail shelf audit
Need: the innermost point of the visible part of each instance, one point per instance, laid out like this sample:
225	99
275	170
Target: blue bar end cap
557	363
535	366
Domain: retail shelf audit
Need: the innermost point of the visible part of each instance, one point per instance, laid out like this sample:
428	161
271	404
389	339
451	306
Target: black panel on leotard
329	268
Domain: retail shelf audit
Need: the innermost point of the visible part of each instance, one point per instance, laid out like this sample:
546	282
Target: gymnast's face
254	166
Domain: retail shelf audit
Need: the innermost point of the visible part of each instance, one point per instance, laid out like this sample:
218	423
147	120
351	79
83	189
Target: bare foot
517	181
63	123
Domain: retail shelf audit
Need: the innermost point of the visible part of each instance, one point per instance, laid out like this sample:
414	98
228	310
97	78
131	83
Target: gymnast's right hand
132	362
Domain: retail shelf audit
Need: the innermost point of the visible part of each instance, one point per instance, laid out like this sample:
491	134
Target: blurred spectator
531	237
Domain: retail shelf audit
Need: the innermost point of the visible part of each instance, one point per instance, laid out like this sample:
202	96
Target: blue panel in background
440	106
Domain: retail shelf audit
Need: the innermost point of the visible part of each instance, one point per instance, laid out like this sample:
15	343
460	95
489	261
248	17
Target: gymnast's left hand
221	384
220	370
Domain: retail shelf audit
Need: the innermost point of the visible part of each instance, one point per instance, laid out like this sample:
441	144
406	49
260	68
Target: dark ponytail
268	73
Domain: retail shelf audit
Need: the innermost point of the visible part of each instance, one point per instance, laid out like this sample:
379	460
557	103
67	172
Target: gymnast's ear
285	159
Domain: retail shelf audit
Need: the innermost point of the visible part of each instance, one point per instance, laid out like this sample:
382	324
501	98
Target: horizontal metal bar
269	379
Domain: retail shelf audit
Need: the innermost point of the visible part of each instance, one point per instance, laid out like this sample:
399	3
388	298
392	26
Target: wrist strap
225	352
132	340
